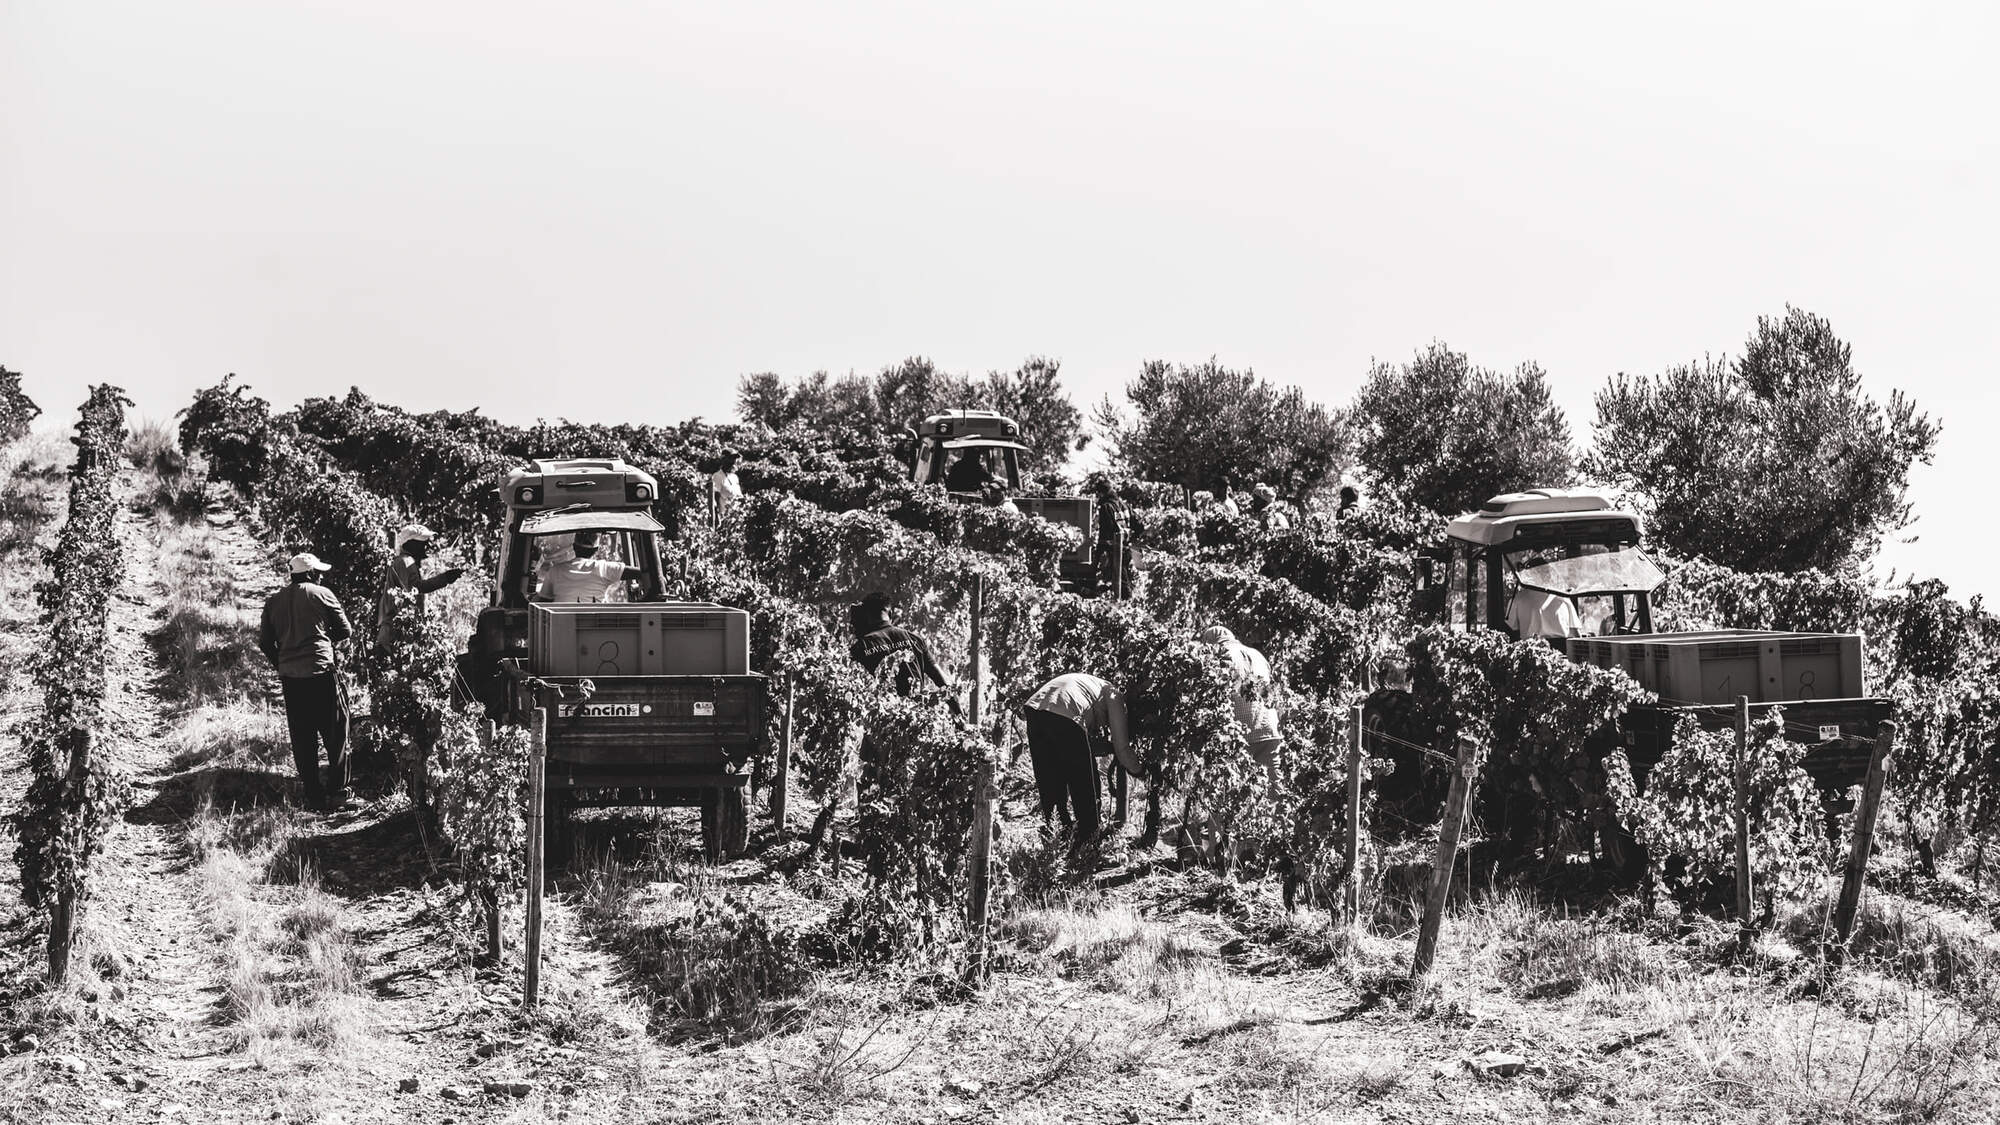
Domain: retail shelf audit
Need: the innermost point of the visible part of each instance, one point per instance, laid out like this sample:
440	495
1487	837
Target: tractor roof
581	467
981	423
1503	517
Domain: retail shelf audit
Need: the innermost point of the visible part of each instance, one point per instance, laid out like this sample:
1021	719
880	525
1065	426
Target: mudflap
725	824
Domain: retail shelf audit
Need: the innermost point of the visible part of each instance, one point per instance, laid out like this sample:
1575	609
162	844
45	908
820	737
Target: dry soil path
157	1041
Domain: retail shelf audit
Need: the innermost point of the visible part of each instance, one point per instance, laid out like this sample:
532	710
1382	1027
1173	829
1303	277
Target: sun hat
305	562
414	531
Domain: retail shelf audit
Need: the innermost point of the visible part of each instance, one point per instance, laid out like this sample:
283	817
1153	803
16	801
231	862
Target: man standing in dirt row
302	624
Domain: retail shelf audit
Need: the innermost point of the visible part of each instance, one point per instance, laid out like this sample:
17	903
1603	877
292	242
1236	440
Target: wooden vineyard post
1863	839
981	860
490	898
1743	908
62	913
1447	855
978	660
1351	853
981	857
538	752
781	785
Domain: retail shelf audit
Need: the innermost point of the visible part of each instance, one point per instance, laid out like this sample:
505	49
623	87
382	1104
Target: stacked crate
1718	666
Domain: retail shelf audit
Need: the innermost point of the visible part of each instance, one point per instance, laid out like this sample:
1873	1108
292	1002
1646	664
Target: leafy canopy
1773	461
17	410
1440	432
903	394
1208	427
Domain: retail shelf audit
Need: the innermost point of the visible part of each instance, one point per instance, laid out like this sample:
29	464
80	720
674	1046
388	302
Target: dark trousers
316	713
1065	773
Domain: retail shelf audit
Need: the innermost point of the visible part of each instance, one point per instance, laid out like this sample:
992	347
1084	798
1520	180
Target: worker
1226	503
1251	696
901	661
1113	533
893	654
1073	720
969	473
994	494
302	626
1270	514
585	577
406	572
724	490
1539	613
1350	502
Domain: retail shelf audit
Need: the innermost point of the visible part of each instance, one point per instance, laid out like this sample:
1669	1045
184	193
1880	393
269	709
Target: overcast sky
610	211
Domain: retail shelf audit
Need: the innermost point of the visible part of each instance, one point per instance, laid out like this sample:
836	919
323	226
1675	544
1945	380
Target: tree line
1772	459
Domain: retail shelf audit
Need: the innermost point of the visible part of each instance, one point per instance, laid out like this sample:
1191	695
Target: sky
609	212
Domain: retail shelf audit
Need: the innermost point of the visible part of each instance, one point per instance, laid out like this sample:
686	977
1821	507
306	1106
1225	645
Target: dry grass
290	968
714	963
210	623
36	470
1110	946
153	447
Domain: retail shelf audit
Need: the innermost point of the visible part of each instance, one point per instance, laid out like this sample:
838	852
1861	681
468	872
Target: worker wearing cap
994	494
406	572
302	623
1270	514
1073	720
585	577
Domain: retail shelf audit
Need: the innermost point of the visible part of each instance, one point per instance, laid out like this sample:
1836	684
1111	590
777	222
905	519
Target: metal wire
1789	724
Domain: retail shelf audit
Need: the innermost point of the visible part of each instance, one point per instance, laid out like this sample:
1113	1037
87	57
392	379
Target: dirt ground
208	991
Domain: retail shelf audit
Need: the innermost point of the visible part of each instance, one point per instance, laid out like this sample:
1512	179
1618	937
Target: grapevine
73	796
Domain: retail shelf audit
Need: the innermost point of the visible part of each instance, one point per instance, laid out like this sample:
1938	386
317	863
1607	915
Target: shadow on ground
177	798
358	858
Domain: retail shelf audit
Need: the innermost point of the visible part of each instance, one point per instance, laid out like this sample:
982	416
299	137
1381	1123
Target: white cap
305	562
414	531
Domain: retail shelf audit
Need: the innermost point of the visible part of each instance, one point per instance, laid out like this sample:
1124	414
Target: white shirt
1258	719
582	580
727	489
1538	613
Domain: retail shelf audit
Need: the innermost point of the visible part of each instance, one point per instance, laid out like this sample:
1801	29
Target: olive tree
1772	461
1443	433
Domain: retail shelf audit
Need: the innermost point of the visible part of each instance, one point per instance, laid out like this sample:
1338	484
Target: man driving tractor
585	577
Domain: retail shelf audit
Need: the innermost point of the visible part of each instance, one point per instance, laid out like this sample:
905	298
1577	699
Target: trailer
651	701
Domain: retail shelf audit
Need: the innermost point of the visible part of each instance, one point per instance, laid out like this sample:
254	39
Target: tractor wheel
725	827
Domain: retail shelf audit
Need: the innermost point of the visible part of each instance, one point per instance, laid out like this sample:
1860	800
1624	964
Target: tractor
963	449
651	701
1567	566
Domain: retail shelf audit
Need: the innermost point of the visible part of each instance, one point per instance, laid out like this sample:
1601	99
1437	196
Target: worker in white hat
406	572
302	623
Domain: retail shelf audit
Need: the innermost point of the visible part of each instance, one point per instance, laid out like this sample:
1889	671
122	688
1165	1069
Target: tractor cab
551	506
963	449
1552	563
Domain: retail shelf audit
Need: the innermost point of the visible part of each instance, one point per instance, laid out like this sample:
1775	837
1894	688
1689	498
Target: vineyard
1317	861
